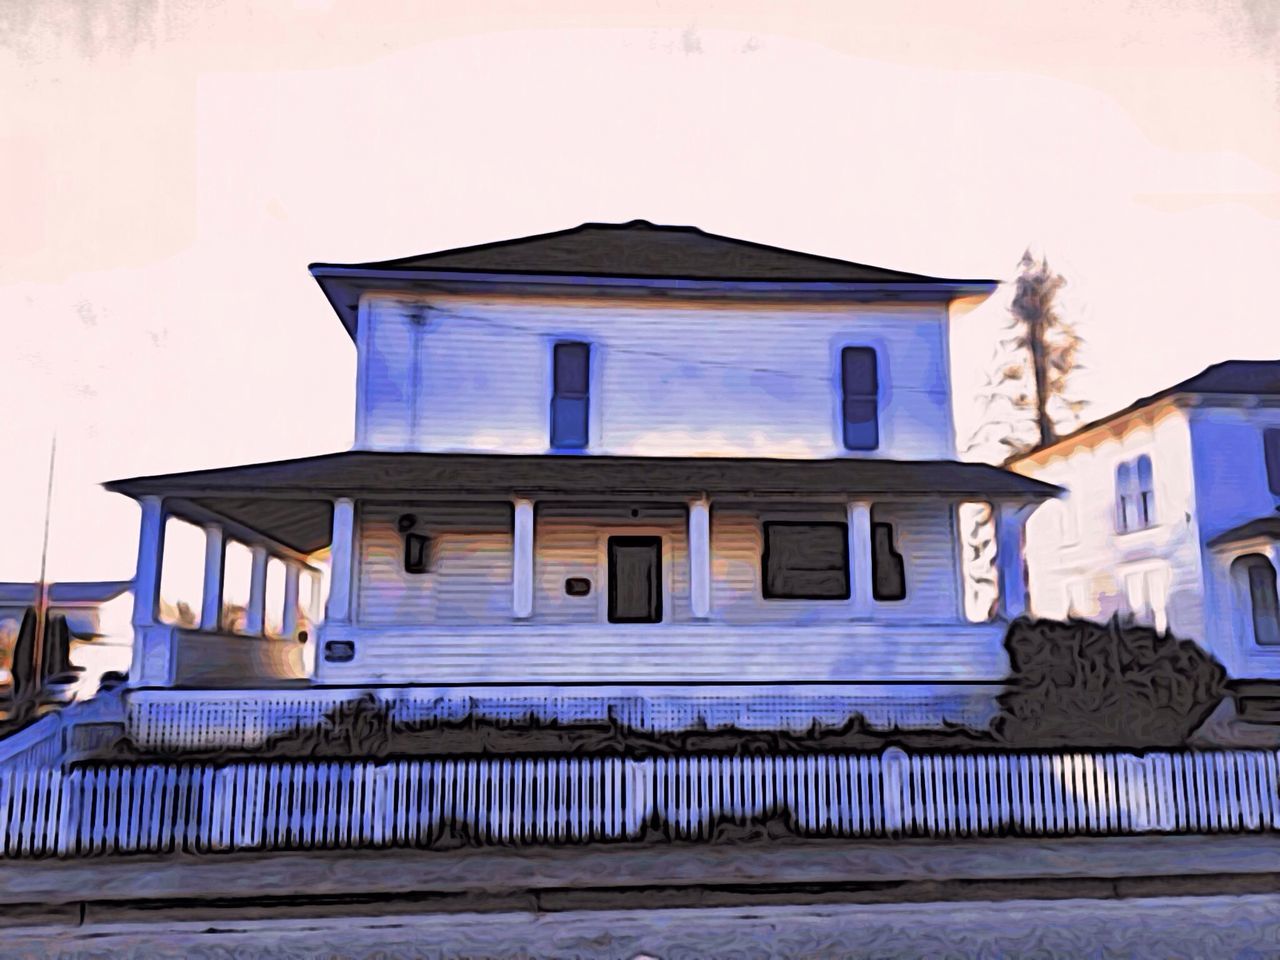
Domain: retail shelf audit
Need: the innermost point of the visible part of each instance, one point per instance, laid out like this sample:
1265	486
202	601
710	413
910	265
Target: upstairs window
860	388
570	397
1135	495
1271	446
806	561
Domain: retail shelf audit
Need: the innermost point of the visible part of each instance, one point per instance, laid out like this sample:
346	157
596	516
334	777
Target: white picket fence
311	805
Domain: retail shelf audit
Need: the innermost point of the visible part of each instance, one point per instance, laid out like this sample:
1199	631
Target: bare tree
1027	400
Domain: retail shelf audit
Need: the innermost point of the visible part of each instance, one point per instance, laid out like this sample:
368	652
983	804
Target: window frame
1135	494
877	594
1242	568
872	396
570	396
767	526
1271	458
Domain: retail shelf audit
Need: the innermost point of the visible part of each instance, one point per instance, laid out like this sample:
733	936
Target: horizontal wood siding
667	376
470	578
303	805
569	541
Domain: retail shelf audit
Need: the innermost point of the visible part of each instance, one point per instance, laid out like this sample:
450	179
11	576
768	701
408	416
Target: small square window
806	561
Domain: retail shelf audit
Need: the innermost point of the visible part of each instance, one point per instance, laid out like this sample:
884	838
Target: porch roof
290	499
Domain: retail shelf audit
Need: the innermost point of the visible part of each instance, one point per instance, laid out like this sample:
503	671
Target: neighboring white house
1170	516
620	461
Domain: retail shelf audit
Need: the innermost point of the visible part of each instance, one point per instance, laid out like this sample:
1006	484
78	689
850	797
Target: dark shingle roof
1230	377
641	249
1262	527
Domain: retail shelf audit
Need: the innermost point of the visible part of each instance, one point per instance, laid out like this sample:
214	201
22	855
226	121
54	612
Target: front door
635	579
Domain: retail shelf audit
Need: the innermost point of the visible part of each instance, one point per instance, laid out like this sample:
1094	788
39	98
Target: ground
1210	926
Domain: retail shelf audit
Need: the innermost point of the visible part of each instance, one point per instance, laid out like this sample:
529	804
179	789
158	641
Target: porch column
700	557
314	610
153	653
340	557
289	619
254	613
860	594
211	595
522	560
1010	519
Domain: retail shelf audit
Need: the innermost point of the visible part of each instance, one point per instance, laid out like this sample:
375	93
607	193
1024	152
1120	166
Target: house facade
1170	516
619	464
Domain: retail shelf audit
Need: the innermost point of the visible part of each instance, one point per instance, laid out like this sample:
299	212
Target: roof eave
334	278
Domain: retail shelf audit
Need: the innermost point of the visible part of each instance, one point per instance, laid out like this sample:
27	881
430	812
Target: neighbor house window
860	388
1271	447
888	573
570	397
806	561
1259	582
1135	495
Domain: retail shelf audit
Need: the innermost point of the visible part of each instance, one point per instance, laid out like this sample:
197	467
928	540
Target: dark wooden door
635	579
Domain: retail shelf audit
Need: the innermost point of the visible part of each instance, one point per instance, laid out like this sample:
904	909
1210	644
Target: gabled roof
1258	378
638	251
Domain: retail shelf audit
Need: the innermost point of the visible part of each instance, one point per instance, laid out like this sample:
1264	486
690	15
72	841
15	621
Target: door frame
602	569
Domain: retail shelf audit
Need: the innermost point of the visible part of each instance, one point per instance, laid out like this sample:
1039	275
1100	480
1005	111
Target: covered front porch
595	574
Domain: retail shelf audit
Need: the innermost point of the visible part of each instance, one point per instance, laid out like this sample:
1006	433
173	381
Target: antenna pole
42	587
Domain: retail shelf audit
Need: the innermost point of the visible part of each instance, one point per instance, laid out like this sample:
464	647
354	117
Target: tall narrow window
888	572
570	398
1271	447
1135	495
860	386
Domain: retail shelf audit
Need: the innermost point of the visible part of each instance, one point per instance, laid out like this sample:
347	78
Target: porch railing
312	805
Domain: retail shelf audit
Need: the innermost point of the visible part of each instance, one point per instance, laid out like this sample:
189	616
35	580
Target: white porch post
861	597
700	557
341	553
522	560
314	611
214	560
289	619
1010	519
254	615
152	649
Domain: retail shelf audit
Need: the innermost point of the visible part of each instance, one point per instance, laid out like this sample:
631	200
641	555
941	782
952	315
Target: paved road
1217	927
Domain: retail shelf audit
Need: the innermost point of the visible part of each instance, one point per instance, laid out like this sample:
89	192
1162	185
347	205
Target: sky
169	168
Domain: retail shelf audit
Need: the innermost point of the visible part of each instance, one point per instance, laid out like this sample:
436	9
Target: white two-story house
622	467
1170	516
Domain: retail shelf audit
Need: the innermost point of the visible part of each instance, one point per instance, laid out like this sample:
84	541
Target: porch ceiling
370	474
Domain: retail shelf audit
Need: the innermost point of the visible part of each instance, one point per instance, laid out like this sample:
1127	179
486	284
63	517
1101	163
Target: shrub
1085	684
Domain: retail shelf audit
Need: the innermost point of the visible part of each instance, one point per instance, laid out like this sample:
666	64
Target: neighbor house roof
637	250
1228	378
290	499
1266	527
81	591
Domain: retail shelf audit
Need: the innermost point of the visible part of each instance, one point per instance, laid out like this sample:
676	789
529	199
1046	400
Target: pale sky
168	169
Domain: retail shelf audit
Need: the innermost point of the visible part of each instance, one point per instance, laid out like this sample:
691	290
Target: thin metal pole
42	589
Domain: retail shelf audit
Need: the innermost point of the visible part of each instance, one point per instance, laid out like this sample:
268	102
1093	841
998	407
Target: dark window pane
1263	601
1271	445
571	375
861	426
1144	472
888	573
569	422
858	370
807	561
